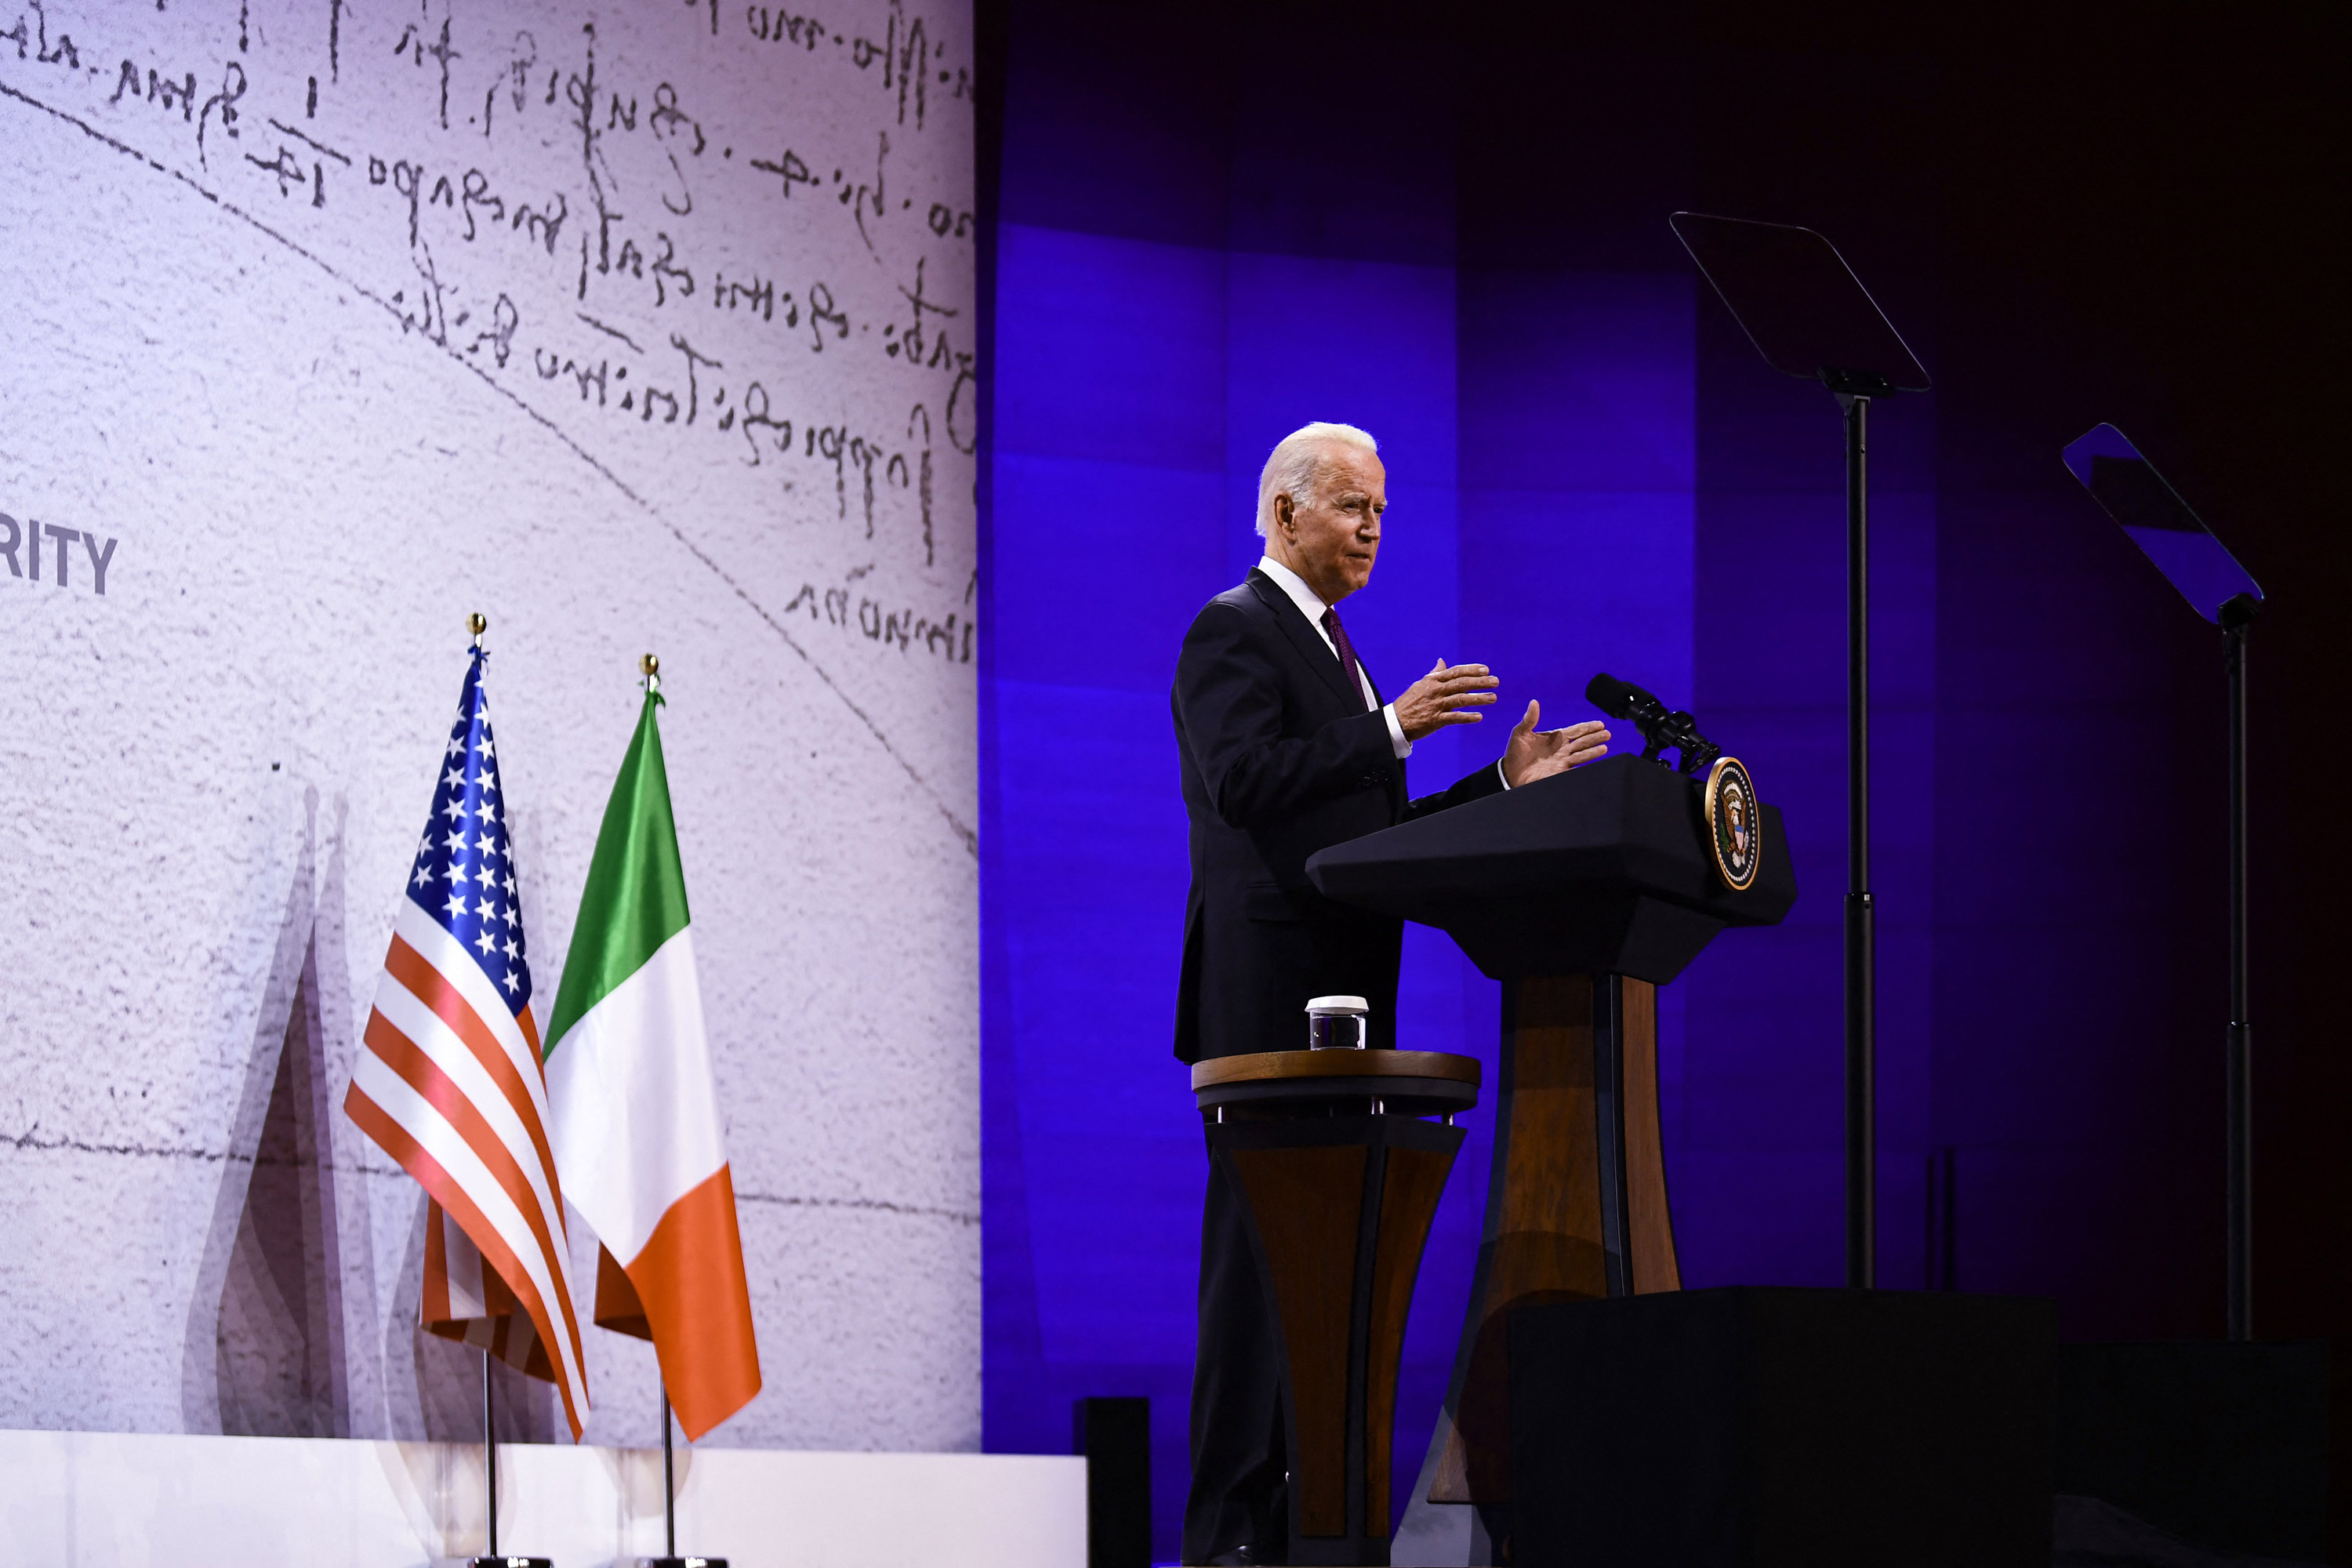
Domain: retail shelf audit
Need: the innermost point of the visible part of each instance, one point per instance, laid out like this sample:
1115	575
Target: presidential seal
1735	824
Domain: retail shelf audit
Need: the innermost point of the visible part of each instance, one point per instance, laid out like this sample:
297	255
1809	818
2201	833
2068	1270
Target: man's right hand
1444	697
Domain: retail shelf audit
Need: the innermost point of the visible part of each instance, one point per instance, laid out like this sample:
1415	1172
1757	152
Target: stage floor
96	1499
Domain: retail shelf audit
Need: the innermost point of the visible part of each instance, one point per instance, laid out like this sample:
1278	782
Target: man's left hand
1535	753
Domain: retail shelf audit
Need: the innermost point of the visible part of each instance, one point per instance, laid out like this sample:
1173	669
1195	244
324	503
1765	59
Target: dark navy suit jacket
1279	758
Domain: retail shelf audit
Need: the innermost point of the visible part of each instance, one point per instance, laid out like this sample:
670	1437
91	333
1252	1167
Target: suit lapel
1305	638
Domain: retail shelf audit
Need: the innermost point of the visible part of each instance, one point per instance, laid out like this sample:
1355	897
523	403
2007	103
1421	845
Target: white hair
1290	467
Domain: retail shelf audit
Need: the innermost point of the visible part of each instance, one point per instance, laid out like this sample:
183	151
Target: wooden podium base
1340	1180
1338	1208
1576	1210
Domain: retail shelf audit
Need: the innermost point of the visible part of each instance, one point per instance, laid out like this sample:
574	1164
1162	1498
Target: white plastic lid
1338	1004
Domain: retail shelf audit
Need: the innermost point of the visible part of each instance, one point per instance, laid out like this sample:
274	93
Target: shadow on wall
282	1338
264	1352
278	1361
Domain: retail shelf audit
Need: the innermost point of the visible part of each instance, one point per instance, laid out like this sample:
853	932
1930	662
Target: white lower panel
99	1499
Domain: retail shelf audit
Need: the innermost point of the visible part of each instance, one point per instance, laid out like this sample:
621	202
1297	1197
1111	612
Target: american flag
450	1084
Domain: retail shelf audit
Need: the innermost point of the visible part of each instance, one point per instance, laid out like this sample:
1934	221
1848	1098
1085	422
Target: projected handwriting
37	45
775	24
168	94
417	41
296	170
293	175
948	638
630	221
946	222
868	202
511	82
470	201
688	390
922	340
911	64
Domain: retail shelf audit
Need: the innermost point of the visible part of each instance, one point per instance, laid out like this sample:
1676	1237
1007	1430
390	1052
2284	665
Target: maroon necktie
1338	635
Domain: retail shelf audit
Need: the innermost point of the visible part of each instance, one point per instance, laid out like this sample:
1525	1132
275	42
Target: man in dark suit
1286	745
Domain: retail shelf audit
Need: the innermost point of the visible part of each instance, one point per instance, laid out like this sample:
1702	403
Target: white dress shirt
1312	607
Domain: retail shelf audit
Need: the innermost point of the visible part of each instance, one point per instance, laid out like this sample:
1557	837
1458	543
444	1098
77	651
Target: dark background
2073	217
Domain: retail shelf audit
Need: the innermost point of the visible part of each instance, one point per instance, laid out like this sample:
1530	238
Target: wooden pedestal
1340	1182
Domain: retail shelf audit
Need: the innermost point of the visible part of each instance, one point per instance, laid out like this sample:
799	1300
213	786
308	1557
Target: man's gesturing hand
1535	753
1438	699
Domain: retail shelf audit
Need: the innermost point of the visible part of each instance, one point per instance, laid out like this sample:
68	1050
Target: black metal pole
1861	963
490	1454
2236	616
669	1487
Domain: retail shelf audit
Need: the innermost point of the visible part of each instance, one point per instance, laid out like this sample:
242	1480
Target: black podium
1581	893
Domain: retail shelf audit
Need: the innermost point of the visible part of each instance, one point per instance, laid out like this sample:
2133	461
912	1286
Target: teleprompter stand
2223	1443
2181	547
1810	316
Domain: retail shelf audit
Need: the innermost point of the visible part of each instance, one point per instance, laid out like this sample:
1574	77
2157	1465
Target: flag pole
634	921
669	1557
650	668
494	1558
478	623
490	1433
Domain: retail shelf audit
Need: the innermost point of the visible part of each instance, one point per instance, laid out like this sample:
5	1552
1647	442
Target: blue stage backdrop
1590	470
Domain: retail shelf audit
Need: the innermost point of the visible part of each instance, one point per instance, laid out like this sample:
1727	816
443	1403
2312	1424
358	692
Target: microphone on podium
1660	726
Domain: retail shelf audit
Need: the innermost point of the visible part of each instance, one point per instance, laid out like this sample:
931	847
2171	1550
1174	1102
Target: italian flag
633	1114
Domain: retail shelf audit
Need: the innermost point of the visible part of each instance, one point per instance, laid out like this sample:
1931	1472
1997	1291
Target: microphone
1660	726
1623	699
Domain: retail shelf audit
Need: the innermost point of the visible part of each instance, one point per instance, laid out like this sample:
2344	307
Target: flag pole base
504	1559
681	1563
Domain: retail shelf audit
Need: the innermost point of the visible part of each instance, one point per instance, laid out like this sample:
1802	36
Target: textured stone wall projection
635	327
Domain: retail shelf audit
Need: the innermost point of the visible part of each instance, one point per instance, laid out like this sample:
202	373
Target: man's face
1335	535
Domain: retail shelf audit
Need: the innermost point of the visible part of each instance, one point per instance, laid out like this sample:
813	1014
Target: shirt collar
1309	603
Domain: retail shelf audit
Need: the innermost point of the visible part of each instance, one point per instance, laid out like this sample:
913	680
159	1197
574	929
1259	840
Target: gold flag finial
478	623
648	665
